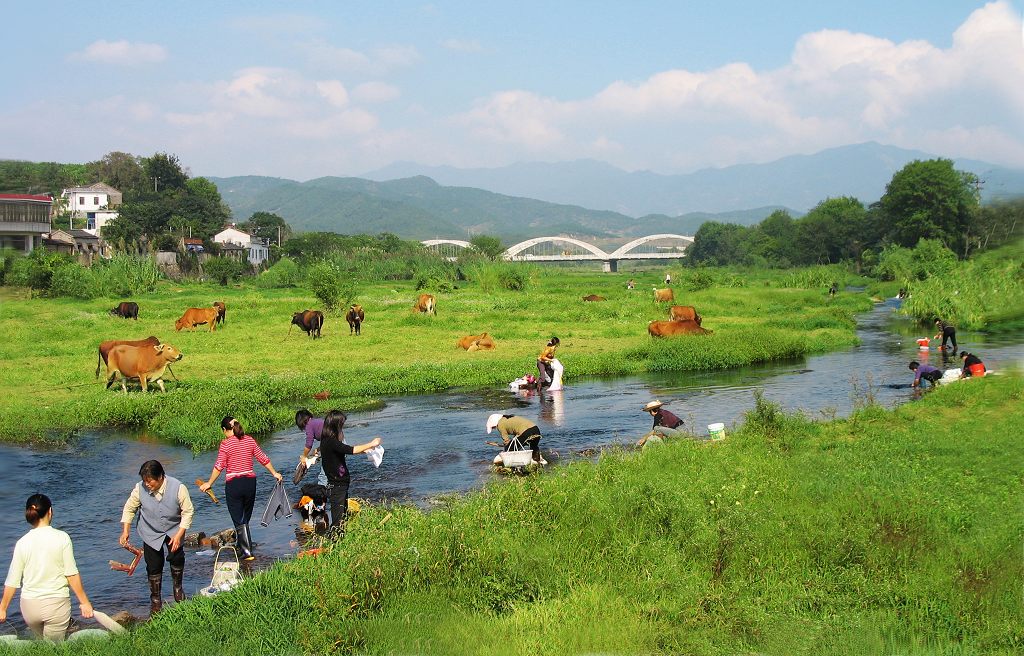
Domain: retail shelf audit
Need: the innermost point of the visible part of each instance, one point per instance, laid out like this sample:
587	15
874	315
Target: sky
304	89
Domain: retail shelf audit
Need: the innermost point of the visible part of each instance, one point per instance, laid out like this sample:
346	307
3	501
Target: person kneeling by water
973	366
519	427
666	424
925	371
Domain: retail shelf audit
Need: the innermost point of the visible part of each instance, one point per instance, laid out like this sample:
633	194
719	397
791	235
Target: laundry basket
516	454
226	573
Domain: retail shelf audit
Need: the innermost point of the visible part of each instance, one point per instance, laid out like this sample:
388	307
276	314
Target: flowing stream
435	444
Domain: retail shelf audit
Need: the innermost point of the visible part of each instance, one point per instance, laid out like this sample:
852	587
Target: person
973	366
668	279
547	372
524	430
925	371
631	284
666	424
333	450
165	512
235	456
902	294
947	332
44	568
833	289
312	427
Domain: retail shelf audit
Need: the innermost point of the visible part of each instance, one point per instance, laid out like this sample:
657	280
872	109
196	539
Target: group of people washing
972	364
43	566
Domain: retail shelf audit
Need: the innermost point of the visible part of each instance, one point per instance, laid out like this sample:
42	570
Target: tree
265	225
717	243
489	246
831	232
224	269
164	173
123	171
929	199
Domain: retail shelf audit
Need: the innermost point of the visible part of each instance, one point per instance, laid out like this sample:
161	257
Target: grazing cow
197	316
594	297
663	295
311	321
105	347
426	304
481	342
222	311
126	310
147	363
354	317
684	313
673	328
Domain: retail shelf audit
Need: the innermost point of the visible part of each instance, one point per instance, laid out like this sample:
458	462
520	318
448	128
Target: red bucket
977	370
923	343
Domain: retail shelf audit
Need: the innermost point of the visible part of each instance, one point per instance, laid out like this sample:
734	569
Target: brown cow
663	295
481	342
197	316
147	363
311	321
126	310
673	328
105	347
354	317
684	313
426	304
222	311
594	297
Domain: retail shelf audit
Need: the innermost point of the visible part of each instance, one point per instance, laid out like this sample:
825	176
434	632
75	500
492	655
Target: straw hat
653	405
492	421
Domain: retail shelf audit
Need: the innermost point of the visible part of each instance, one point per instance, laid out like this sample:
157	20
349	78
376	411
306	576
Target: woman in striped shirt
235	458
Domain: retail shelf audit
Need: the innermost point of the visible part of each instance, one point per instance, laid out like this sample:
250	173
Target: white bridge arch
590	252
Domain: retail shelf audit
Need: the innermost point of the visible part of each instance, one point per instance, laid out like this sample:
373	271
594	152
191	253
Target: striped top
236	455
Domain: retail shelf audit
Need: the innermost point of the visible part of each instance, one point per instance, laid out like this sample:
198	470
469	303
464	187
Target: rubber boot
177	576
156	601
244	541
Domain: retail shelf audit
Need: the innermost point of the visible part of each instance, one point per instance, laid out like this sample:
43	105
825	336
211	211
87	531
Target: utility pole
155	181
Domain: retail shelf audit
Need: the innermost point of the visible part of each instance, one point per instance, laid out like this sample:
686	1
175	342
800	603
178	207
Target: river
435	444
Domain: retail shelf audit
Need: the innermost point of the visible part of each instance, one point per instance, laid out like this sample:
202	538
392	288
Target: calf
196	317
675	328
310	321
126	310
222	311
663	295
105	347
593	297
354	317
426	304
684	313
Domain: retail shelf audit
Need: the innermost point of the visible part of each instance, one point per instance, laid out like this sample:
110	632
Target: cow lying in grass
481	342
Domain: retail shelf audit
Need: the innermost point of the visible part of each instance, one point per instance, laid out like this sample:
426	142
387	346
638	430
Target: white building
258	250
94	203
24	219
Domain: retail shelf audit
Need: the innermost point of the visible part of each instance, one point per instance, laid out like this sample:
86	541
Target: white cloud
123	53
462	45
380	60
375	92
334	91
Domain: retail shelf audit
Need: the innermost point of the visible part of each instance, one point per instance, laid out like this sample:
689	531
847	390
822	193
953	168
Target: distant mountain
419	208
798	181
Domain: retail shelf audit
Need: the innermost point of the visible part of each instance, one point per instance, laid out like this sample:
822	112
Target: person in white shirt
44	568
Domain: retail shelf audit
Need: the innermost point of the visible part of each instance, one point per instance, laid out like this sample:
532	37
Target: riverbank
255	370
891	531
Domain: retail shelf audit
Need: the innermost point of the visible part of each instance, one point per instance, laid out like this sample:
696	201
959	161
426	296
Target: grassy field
255	370
890	532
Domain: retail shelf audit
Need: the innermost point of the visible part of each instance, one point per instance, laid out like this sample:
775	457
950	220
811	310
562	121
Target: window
95	200
81	200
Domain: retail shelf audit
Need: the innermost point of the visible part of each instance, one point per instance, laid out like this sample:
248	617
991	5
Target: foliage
498	274
928	258
20	177
265	225
127	275
224	269
284	273
488	245
330	284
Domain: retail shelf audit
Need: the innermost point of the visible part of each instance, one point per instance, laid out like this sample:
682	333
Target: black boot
243	540
156	602
177	574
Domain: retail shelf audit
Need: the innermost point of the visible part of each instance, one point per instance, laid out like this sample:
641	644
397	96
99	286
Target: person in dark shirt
973	366
333	450
926	372
666	424
947	332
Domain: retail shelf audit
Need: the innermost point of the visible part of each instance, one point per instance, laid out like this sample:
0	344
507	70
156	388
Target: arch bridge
664	246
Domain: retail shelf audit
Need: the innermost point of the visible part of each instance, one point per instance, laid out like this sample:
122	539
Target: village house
95	203
24	219
80	243
242	245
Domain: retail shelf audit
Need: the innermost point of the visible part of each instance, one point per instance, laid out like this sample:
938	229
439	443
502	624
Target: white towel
376	455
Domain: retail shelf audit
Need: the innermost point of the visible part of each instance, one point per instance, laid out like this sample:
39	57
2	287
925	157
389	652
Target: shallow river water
435	444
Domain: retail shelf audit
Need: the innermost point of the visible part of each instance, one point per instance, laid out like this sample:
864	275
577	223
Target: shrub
224	269
285	273
127	275
74	281
332	286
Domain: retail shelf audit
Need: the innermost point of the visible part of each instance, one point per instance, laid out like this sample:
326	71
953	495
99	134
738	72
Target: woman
544	363
237	451
666	424
333	451
973	366
521	428
44	568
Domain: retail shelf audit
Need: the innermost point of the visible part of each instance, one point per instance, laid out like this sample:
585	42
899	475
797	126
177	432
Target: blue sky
305	89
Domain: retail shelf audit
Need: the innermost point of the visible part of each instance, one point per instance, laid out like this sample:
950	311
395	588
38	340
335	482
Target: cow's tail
99	360
290	329
318	322
697	318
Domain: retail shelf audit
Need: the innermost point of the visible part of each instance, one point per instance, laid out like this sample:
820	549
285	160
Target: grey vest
157	519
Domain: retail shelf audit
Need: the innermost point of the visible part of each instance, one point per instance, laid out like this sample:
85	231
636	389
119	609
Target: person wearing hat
519	427
666	424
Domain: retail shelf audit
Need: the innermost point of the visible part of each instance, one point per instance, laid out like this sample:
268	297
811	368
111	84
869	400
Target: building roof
81	234
192	240
103	186
41	199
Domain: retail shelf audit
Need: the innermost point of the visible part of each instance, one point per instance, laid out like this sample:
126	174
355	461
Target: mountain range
582	198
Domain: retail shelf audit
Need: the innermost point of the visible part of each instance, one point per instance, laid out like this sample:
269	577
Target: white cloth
376	455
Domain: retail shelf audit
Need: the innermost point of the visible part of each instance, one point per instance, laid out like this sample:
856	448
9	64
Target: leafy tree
164	173
224	269
717	243
831	232
123	171
489	246
265	225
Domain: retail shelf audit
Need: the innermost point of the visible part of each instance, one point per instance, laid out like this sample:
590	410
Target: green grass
890	532
256	371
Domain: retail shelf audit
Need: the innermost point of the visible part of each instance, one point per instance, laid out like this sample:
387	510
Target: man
666	424
947	332
313	428
165	513
925	371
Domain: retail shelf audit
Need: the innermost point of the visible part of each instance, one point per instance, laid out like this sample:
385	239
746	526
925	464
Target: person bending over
925	372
